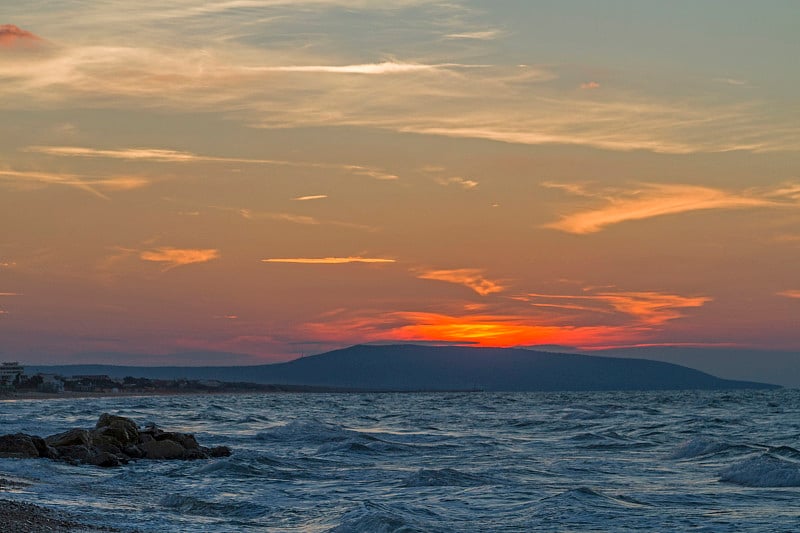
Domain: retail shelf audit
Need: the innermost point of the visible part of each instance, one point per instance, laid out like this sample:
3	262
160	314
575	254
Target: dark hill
415	367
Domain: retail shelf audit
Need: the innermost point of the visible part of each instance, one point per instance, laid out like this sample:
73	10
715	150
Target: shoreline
21	516
75	395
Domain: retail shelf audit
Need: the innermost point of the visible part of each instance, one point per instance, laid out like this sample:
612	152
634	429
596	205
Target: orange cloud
790	293
590	85
310	197
653	200
469	277
466	183
648	308
13	36
499	330
175	257
327	260
604	319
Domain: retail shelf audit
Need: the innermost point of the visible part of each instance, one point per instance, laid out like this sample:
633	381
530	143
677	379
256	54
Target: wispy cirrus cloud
790	293
94	186
293	218
175	257
386	67
206	59
310	197
284	217
485	35
328	260
503	103
472	278
653	200
177	156
456	180
648	308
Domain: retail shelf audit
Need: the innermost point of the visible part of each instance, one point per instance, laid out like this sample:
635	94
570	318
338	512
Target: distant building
10	374
50	383
91	383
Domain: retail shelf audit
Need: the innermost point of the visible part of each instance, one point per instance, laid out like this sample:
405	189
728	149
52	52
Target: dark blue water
704	461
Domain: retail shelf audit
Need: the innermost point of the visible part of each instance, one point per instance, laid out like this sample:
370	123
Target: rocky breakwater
114	441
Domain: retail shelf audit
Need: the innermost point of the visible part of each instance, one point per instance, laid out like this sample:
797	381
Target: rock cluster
114	441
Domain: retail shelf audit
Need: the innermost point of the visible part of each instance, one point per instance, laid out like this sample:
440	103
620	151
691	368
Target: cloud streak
472	278
310	197
648	308
94	186
386	67
654	200
486	35
175	257
790	294
176	156
505	103
328	260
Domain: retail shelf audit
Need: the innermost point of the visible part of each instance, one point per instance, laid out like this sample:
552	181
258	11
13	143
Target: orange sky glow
295	177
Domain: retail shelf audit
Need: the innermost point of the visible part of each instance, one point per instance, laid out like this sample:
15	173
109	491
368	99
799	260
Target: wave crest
765	470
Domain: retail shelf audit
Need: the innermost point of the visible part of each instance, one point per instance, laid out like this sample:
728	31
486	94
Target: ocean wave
590	497
187	504
307	431
583	413
698	447
379	518
606	440
444	477
765	470
330	438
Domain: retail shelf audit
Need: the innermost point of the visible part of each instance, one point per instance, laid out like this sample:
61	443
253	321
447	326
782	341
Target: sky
276	178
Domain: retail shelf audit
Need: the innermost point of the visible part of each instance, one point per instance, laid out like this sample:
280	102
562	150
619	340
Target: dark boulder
121	429
72	437
19	445
162	449
114	441
219	451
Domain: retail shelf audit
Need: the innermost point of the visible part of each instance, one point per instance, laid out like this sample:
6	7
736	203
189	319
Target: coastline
23	517
279	389
71	395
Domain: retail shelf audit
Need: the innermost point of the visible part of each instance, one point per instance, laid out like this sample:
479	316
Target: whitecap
765	470
698	447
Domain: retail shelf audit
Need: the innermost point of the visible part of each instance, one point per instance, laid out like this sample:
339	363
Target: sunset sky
282	177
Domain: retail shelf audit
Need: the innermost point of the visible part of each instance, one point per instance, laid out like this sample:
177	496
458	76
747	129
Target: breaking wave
765	470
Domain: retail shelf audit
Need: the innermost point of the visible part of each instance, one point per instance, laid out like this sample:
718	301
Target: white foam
764	470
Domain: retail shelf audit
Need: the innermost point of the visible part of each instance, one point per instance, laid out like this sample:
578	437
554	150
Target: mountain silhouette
407	367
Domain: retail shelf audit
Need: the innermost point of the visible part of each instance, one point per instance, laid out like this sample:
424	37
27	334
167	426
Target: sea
436	462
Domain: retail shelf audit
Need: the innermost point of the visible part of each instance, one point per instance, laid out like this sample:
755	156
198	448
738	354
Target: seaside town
14	379
14	382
